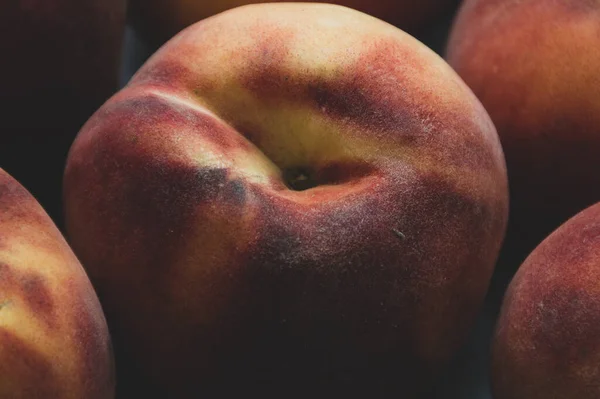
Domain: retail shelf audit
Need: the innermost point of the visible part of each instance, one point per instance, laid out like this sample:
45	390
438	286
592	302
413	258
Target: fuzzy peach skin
547	340
54	341
59	63
287	197
533	65
159	20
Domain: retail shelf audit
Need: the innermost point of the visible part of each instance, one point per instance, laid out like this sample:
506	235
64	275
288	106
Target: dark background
467	376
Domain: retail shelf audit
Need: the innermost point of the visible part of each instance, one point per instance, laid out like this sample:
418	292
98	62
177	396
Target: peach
60	62
546	343
288	199
531	64
54	341
159	20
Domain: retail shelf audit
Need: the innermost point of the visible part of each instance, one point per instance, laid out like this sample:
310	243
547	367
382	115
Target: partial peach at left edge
54	340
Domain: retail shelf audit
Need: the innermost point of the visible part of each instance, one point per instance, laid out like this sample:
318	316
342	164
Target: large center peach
288	197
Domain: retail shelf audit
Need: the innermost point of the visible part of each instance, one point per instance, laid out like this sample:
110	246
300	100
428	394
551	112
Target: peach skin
546	344
533	65
288	199
54	341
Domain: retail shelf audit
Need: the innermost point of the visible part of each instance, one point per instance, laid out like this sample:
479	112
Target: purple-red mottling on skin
55	292
32	289
28	369
215	282
543	103
546	343
361	96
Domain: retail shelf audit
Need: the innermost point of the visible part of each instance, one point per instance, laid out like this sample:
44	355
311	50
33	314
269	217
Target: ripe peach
546	343
286	197
532	65
54	341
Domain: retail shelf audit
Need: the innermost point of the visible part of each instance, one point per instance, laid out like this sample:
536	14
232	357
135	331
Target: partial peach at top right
534	66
